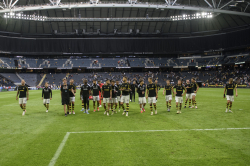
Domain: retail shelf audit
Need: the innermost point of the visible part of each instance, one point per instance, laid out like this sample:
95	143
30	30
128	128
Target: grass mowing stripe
59	150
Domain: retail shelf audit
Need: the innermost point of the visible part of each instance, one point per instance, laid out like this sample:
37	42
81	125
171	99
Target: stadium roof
151	17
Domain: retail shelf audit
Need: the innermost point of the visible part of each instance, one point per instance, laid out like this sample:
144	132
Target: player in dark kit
106	95
85	92
118	94
179	95
169	89
188	86
23	93
65	95
141	89
195	88
125	89
46	96
113	101
158	86
96	89
71	97
230	93
132	92
152	94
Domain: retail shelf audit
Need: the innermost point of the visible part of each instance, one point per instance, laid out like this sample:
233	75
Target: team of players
115	93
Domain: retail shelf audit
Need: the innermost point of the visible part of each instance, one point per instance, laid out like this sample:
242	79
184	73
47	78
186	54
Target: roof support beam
208	3
120	5
174	2
12	5
4	3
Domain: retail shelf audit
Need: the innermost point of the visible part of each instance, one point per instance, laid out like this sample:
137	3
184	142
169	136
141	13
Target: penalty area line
60	148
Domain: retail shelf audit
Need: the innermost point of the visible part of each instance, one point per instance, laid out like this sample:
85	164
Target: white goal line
60	148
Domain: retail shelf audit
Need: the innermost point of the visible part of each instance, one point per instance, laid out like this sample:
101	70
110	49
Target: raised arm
236	92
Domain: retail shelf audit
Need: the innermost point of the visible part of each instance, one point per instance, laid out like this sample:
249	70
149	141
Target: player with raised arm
188	86
230	93
107	96
125	89
152	94
118	94
195	88
23	94
65	94
141	92
46	96
71	97
179	95
113	100
85	92
96	89
168	89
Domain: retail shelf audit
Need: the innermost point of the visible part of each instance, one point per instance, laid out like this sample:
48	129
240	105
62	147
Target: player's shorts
113	100
125	99
118	98
168	97
178	99
142	100
22	100
65	101
151	100
106	100
193	94
72	99
230	98
46	101
96	98
189	95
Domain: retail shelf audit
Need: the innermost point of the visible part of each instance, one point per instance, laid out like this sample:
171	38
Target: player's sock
73	106
105	107
180	106
122	106
167	104
185	103
230	106
189	103
177	107
70	107
155	107
127	108
82	105
47	107
115	107
195	103
21	106
227	105
24	107
151	108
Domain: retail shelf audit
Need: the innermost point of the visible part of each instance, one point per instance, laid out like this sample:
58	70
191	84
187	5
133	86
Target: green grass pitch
34	139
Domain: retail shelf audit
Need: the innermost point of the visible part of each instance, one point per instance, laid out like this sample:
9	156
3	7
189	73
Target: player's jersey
118	91
106	89
189	88
85	90
114	91
151	90
96	89
72	87
140	89
126	88
22	91
168	89
133	86
179	90
46	93
230	88
194	87
65	91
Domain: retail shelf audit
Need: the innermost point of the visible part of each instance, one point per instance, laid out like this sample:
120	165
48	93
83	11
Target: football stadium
134	82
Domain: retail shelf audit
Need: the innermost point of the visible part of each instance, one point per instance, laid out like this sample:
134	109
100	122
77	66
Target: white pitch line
60	148
136	131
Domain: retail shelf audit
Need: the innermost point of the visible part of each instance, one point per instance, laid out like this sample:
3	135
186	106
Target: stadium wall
121	45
